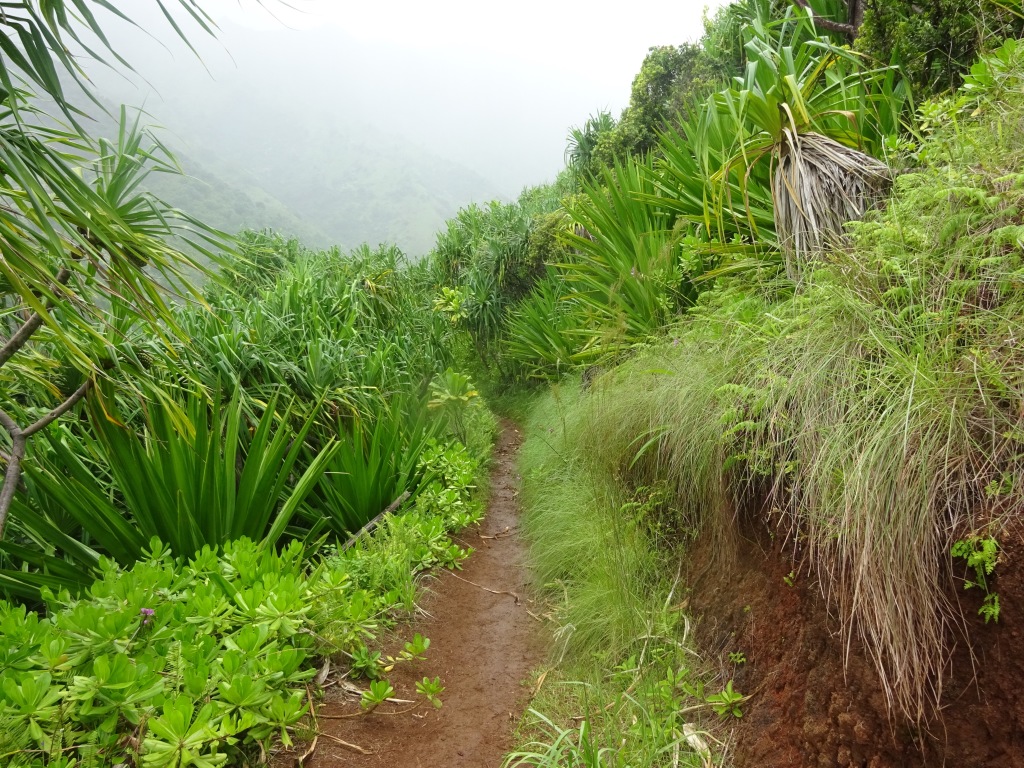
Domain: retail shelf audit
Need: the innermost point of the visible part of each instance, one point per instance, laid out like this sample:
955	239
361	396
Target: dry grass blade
347	745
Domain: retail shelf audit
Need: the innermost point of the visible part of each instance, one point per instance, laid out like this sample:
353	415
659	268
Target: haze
328	105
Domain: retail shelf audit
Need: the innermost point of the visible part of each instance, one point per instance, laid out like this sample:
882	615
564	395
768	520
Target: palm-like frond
819	185
814	110
628	276
192	479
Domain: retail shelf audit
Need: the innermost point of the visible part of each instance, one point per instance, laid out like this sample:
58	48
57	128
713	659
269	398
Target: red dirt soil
483	646
807	709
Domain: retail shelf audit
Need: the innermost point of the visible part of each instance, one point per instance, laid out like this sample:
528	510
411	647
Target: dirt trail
483	646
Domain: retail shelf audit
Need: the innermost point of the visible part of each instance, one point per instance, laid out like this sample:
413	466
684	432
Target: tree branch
8	423
19	440
23	334
13	474
833	26
59	411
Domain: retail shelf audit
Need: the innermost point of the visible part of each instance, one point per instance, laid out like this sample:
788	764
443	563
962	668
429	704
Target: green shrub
874	405
213	654
193	477
209	655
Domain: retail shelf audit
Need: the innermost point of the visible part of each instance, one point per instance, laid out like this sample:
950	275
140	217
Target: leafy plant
187	661
416	648
378	692
981	555
82	237
195	477
451	394
628	279
727	701
365	662
821	117
431	690
372	466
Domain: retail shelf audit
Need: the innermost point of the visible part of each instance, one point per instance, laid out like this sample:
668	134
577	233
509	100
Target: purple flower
148	613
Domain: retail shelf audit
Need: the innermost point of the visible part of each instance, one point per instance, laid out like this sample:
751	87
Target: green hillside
759	343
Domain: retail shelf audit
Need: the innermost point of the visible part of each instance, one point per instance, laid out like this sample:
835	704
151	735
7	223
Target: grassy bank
873	411
624	686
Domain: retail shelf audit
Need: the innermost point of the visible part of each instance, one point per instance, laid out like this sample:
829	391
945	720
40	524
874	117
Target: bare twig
309	752
19	441
375	711
316	727
23	334
499	535
347	745
487	589
59	411
373	523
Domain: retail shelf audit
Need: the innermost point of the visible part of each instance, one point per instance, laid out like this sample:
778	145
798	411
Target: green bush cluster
937	42
167	663
299	403
206	660
645	235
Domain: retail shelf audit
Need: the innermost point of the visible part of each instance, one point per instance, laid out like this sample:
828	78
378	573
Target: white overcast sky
601	41
494	86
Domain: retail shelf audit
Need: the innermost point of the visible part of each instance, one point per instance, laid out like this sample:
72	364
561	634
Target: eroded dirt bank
483	646
808	711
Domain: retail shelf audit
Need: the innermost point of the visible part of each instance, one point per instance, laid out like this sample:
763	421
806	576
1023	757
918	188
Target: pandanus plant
78	230
821	118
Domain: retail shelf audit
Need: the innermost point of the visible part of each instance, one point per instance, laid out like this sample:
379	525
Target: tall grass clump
624	688
874	413
574	511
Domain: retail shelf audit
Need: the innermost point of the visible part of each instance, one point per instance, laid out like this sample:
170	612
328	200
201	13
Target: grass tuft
624	687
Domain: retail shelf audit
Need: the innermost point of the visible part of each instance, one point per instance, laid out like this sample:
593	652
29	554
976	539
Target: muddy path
483	646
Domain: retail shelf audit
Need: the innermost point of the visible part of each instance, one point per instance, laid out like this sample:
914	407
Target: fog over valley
342	125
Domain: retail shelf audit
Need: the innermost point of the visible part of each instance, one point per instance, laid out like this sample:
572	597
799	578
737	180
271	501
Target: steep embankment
484	645
814	701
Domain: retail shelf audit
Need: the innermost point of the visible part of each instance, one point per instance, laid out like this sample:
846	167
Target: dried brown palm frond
818	186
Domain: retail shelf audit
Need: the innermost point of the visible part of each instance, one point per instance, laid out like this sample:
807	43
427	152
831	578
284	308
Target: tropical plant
373	465
79	232
821	117
580	150
545	337
452	394
195	478
629	276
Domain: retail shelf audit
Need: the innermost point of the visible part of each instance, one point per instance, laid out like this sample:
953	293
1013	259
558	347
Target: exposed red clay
809	709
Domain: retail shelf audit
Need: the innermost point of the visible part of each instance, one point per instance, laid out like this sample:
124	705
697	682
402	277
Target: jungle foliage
806	284
194	427
796	277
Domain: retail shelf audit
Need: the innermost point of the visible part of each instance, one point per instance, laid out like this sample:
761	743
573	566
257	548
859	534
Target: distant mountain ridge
327	184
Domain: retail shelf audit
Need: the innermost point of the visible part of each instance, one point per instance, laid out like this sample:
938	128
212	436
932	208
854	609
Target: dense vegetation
738	339
187	461
791	269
